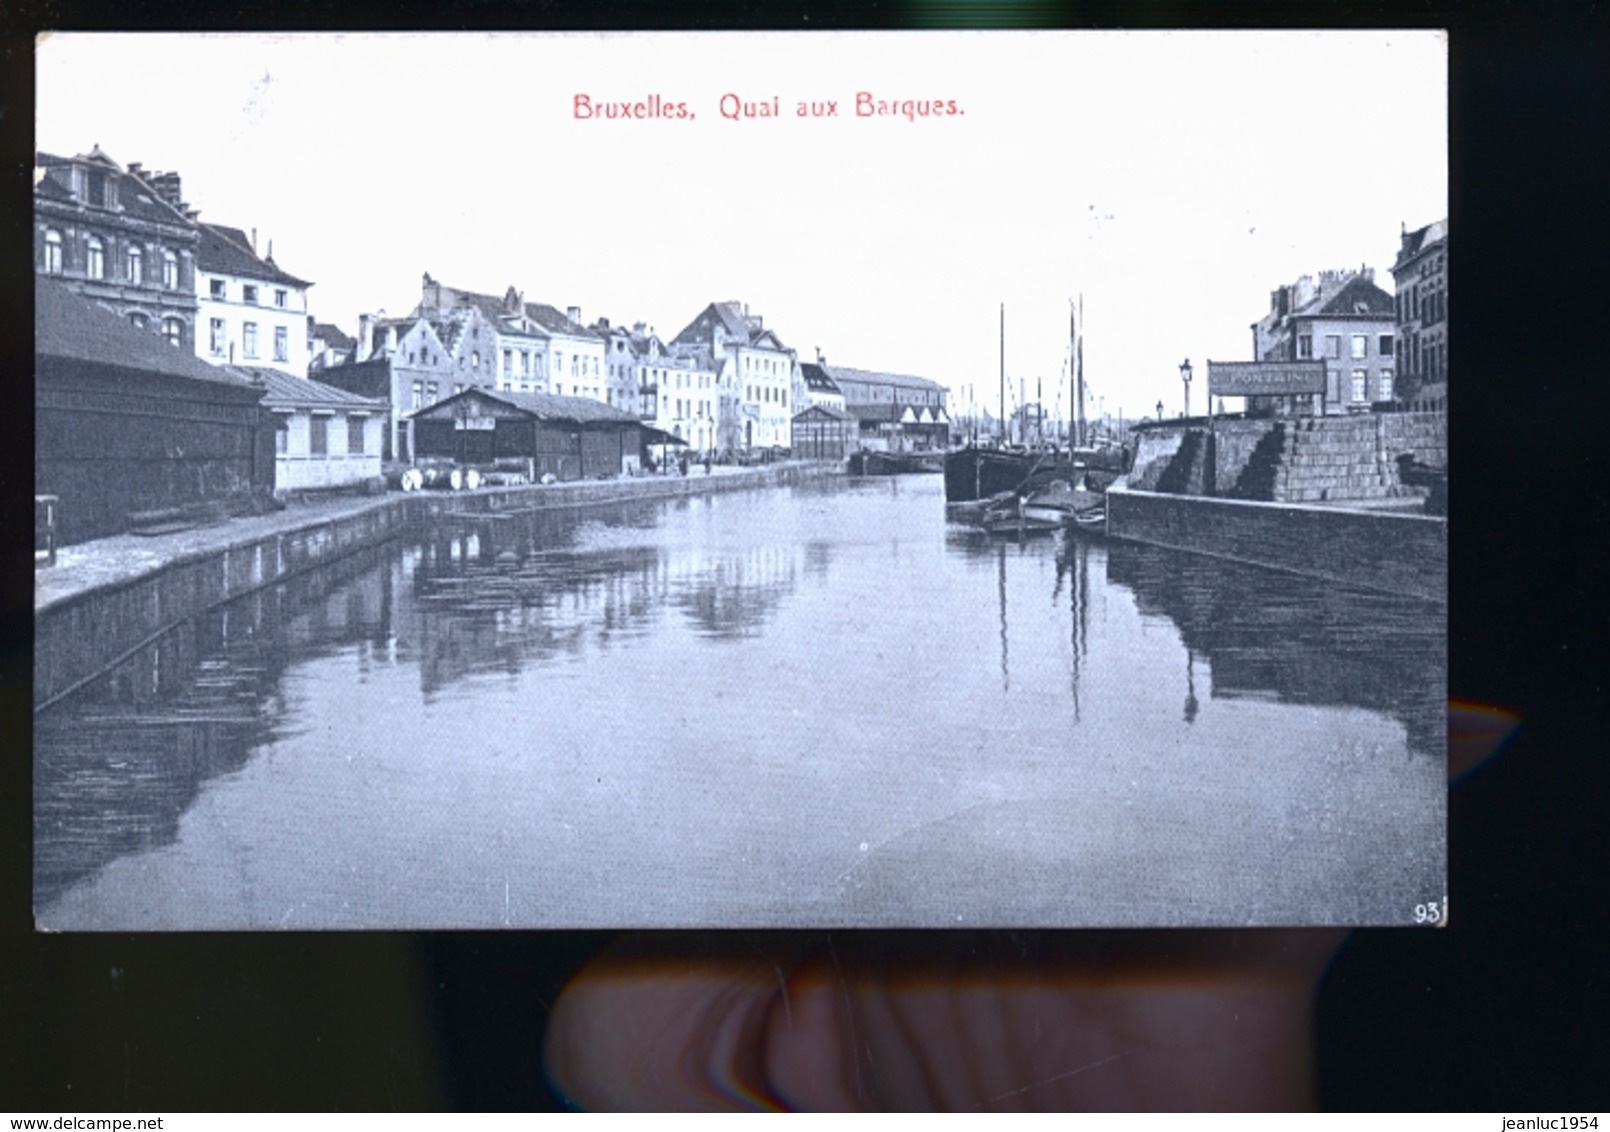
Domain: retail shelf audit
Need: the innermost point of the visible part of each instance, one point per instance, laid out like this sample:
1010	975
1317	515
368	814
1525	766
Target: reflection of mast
1006	672
1190	686
1077	570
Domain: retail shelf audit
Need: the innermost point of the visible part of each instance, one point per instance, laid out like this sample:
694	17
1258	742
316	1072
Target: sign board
1260	379
476	424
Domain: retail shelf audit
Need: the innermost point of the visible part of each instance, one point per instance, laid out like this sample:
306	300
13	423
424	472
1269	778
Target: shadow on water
1267	634
118	763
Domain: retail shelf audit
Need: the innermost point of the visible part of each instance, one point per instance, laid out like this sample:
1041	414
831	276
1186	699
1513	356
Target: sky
1173	179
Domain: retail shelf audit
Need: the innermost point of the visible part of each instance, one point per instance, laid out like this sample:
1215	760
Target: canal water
807	705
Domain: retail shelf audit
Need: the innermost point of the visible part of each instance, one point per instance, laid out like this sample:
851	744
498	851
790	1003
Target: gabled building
755	374
105	233
537	348
251	312
404	362
1420	277
1344	319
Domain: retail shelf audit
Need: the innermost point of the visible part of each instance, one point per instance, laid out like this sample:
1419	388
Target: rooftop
228	251
67	325
283	391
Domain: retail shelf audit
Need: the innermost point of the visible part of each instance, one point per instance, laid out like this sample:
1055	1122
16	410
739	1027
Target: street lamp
1185	377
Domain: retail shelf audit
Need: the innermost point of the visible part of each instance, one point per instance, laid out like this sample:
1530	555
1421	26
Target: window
1305	345
282	344
248	340
134	266
508	362
173	331
215	289
170	271
1384	392
430	393
419	395
282	436
1361	345
52	263
1333	346
137	320
248	294
97	188
279	297
458	387
1359	390
318	436
575	368
355	426
1384	345
215	337
475	359
95	260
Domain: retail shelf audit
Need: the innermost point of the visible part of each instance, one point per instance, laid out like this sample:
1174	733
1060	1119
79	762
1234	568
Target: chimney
574	314
254	241
365	346
166	187
431	293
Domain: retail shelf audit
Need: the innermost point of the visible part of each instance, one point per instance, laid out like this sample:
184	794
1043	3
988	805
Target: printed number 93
1431	912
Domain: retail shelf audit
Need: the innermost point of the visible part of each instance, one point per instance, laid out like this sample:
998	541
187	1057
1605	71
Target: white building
324	437
756	375
250	312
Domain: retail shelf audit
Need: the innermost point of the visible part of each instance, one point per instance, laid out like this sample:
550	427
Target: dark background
1507	1009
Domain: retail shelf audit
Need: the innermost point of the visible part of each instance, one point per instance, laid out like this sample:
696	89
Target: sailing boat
976	474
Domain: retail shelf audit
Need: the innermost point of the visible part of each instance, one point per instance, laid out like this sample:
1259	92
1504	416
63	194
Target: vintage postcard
740	480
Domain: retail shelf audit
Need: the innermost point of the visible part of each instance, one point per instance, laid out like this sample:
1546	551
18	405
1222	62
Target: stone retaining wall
1373	550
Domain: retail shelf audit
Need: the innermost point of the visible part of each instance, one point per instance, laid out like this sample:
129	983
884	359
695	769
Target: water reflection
1265	634
815	705
118	763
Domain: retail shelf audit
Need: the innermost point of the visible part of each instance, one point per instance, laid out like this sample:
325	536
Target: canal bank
106	599
1383	551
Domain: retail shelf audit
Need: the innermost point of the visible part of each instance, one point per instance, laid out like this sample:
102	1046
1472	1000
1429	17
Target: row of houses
1376	348
178	365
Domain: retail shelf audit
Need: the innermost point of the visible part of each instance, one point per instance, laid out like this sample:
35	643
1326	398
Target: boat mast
1000	421
1079	367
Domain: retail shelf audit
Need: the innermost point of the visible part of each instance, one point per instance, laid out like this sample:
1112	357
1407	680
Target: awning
652	435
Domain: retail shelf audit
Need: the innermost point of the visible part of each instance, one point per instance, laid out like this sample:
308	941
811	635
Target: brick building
111	237
1420	274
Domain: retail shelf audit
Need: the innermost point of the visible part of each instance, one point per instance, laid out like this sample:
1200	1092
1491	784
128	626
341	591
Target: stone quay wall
106	600
1291	460
1383	551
